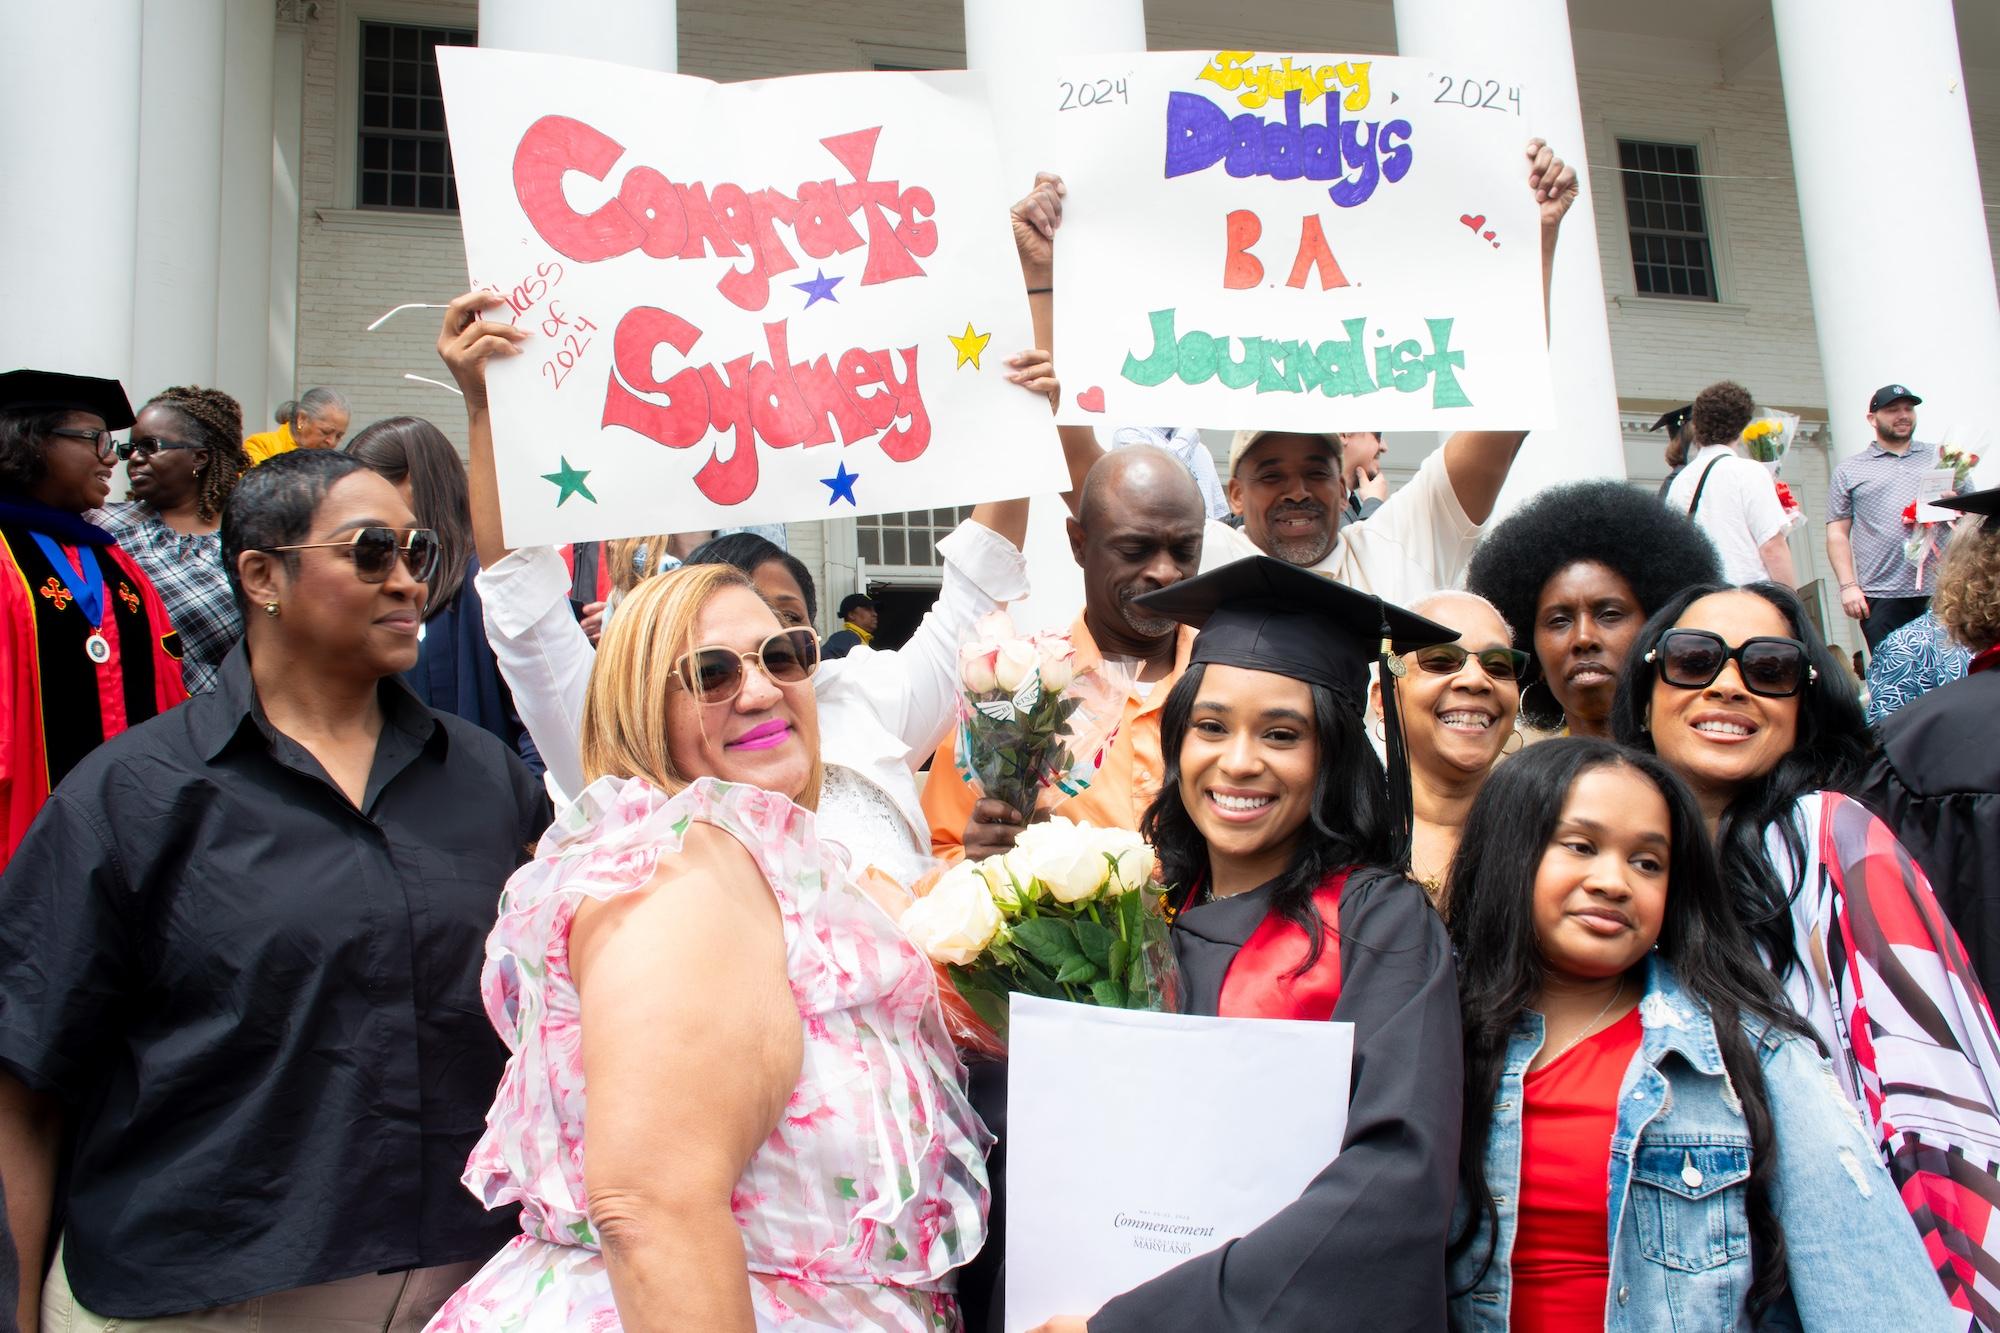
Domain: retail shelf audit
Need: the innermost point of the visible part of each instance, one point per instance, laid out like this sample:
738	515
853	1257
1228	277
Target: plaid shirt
186	569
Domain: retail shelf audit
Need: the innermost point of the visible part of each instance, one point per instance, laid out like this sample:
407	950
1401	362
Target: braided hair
217	421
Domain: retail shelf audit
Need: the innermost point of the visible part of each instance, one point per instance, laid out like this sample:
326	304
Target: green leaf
1108	994
1078	970
844	1187
548	1277
987	995
1097	944
1121	954
1049	940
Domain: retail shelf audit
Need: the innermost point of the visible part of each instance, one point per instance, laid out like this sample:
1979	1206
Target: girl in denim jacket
1651	1141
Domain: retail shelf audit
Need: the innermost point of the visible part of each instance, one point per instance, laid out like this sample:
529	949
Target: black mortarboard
1985	503
1267	615
53	391
1671	422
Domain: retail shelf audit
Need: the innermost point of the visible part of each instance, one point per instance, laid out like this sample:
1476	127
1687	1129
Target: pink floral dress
873	1186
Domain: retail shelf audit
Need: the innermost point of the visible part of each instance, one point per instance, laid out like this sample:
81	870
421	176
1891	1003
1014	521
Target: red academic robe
56	704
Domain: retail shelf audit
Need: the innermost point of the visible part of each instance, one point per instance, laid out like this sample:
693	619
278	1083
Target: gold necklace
1571	1044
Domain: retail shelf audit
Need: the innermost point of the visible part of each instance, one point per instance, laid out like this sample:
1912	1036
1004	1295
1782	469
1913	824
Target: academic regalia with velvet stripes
57	704
1364	1246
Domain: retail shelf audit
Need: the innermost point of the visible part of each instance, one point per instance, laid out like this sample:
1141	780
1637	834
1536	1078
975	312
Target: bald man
1138	528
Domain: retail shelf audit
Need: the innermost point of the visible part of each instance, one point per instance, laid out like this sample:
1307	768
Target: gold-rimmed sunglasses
375	550
715	675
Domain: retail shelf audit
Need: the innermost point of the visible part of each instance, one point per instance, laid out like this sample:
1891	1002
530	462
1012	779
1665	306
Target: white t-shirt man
1418	542
1739	508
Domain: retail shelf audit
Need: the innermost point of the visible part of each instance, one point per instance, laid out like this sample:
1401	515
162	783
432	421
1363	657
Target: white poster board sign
749	303
1095	1204
1293	241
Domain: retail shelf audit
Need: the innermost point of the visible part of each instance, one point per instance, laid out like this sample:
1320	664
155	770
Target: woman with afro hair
183	460
1576	571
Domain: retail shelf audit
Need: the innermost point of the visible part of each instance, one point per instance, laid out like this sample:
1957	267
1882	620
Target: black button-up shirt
259	1004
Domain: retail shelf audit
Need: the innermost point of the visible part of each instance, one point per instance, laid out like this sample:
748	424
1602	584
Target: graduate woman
1275	818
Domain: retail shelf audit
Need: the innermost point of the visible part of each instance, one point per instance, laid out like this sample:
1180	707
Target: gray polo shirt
1873	488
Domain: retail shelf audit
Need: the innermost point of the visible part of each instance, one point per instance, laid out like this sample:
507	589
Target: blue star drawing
819	288
841	483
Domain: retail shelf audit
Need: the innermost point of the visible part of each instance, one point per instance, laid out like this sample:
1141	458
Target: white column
1895	228
281	329
1529	41
69	142
1000	33
628	32
180	196
243	241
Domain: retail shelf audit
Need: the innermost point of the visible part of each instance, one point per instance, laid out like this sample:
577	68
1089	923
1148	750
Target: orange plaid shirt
1126	781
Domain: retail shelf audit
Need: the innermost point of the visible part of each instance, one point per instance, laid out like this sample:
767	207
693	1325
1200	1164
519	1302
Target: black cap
53	391
854	599
1888	394
1267	615
1671	422
1984	503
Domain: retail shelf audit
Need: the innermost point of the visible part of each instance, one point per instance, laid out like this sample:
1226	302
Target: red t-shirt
1562	1259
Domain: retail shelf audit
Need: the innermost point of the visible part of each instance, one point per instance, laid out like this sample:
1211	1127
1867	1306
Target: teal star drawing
841	483
569	481
819	288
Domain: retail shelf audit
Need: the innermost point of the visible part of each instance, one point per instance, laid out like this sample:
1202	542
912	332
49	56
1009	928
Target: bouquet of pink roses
1013	735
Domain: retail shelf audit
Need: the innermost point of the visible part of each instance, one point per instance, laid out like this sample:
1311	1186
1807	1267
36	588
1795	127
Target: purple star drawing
841	483
819	288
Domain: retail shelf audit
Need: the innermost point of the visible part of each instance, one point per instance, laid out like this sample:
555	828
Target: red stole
1260	981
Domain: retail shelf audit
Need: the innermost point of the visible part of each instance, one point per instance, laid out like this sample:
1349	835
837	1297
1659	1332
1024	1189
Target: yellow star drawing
970	345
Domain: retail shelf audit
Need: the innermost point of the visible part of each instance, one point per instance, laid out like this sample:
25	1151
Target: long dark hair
750	553
399	447
1347	824
1500	968
1830	754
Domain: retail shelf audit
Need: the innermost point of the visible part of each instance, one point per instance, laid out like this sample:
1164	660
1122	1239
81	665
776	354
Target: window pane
405	157
403	191
406	42
920	548
375	39
892	547
868	543
1666	223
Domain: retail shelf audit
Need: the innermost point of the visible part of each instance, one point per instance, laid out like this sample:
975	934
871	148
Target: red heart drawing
1487	234
1091	399
1473	220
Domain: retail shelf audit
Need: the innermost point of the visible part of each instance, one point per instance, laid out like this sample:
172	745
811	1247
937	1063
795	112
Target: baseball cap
1888	394
1246	440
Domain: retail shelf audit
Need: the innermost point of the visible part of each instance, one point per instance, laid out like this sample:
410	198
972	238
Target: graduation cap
53	391
1266	615
1984	503
1671	422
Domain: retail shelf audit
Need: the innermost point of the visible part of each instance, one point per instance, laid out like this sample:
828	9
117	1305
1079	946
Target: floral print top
873	1185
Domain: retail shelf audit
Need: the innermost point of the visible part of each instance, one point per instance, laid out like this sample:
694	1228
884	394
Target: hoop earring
1555	705
1519	739
1380	731
271	610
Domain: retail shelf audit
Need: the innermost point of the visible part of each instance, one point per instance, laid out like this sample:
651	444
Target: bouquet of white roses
1072	912
1013	736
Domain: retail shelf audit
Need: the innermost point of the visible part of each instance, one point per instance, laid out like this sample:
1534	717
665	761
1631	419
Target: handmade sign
750	303
1281	240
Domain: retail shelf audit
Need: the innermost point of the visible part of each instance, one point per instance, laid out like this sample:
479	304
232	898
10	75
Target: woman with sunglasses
241	969
1576	571
1460	702
183	459
1651	1140
882	713
732	1103
87	648
455	671
1734	689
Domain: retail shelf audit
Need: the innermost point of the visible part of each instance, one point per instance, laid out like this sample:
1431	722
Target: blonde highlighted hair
1967	602
633	681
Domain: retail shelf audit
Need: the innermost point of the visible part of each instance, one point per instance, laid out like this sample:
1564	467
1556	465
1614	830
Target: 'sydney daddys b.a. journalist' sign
750	303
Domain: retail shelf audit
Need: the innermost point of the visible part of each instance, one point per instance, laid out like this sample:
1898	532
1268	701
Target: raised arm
466	343
1036	217
1477	461
691	1048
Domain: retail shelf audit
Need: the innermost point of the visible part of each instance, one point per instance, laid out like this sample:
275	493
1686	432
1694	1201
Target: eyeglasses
100	440
1448	659
1691	659
374	551
147	445
715	675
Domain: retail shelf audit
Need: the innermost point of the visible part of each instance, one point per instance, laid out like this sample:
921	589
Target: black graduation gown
1936	782
1364	1246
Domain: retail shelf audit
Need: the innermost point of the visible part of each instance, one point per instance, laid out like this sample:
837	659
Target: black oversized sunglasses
715	674
1691	659
147	445
1448	659
375	550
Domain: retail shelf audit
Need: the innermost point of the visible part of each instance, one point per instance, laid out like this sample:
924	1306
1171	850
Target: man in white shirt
1731	498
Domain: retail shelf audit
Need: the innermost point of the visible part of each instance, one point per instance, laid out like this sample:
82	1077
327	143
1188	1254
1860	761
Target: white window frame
347	89
1714	207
